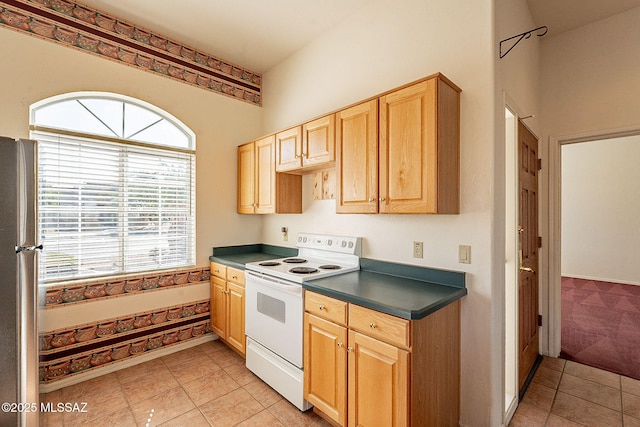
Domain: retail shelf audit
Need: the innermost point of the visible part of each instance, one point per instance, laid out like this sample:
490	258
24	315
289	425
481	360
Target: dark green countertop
238	256
405	291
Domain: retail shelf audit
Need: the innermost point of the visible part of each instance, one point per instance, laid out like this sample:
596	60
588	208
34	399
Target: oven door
273	315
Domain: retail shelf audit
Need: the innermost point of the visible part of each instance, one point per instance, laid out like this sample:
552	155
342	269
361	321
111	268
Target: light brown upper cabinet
308	147
357	163
261	190
416	169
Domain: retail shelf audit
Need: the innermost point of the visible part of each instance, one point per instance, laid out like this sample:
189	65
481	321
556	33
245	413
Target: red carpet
601	325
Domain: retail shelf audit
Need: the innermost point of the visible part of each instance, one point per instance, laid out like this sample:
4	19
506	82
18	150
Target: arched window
116	186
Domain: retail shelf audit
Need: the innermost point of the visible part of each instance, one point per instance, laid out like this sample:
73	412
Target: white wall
380	47
590	77
601	210
34	69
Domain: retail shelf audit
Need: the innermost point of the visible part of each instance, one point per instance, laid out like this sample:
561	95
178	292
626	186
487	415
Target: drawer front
236	276
218	270
384	327
326	307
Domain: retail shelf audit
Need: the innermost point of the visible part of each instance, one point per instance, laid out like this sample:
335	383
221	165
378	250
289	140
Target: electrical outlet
285	233
417	249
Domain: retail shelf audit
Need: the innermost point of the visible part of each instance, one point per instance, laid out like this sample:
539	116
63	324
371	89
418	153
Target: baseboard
600	279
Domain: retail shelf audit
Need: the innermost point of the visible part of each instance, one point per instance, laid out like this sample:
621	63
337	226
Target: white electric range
274	307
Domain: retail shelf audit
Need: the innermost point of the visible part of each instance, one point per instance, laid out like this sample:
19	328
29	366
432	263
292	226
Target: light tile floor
564	393
207	385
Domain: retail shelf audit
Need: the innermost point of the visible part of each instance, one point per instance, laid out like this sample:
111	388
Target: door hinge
539	319
539	241
539	164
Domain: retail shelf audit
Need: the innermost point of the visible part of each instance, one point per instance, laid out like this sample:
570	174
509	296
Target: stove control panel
341	244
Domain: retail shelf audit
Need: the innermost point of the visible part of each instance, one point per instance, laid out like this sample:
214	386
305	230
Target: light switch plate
464	254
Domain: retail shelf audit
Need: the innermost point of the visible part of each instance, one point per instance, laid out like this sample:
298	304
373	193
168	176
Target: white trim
555	219
600	279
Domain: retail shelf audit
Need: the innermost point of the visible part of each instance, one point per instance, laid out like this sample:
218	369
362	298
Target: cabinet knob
216	271
373	325
234	277
340	344
382	199
322	307
371	200
349	349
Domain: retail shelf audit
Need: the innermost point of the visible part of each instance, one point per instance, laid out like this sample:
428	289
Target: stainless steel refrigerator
18	283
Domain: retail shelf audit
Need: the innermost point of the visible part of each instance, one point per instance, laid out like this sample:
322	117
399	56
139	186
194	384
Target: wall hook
519	38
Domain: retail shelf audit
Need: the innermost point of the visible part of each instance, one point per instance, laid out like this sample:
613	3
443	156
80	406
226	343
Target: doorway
600	284
521	257
555	220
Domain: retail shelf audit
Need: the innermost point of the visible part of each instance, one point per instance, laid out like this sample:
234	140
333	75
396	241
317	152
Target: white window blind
109	208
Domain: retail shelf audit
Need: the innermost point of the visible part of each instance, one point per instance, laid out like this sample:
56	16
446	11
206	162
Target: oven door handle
274	283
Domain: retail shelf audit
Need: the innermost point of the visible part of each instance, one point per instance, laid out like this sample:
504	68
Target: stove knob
299	239
304	240
329	242
350	244
344	244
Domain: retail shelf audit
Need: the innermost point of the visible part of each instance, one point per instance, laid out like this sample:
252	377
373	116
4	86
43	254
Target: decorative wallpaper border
77	26
92	289
80	362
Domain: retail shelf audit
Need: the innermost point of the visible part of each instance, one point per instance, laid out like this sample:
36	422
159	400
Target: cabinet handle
216	271
322	307
340	345
373	325
371	200
349	349
234	277
382	199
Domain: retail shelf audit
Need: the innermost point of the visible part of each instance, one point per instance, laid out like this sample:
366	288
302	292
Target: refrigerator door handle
28	248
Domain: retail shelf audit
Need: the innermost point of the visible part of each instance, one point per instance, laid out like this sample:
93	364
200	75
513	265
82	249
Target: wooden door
289	149
325	362
265	199
235	310
408	151
246	179
218	306
378	383
319	141
357	159
528	330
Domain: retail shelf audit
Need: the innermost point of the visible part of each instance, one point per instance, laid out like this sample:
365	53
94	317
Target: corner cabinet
400	152
261	190
227	305
366	368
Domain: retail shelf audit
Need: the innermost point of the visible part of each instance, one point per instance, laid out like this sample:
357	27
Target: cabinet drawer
326	307
218	270
236	276
384	327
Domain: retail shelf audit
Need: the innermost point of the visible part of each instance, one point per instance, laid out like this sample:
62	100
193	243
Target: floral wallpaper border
77	26
92	289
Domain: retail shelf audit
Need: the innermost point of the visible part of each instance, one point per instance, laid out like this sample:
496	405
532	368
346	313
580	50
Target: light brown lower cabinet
227	305
366	368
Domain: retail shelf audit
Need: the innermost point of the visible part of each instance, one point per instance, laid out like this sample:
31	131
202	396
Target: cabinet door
246	179
265	175
235	309
319	142
357	159
408	152
378	383
325	362
289	149
218	306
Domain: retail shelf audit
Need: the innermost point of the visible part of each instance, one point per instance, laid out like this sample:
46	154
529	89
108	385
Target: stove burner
269	263
330	267
294	260
303	270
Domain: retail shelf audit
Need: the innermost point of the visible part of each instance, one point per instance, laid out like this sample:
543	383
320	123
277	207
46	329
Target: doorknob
530	270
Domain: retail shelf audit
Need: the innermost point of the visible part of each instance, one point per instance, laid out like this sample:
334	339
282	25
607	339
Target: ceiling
259	34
